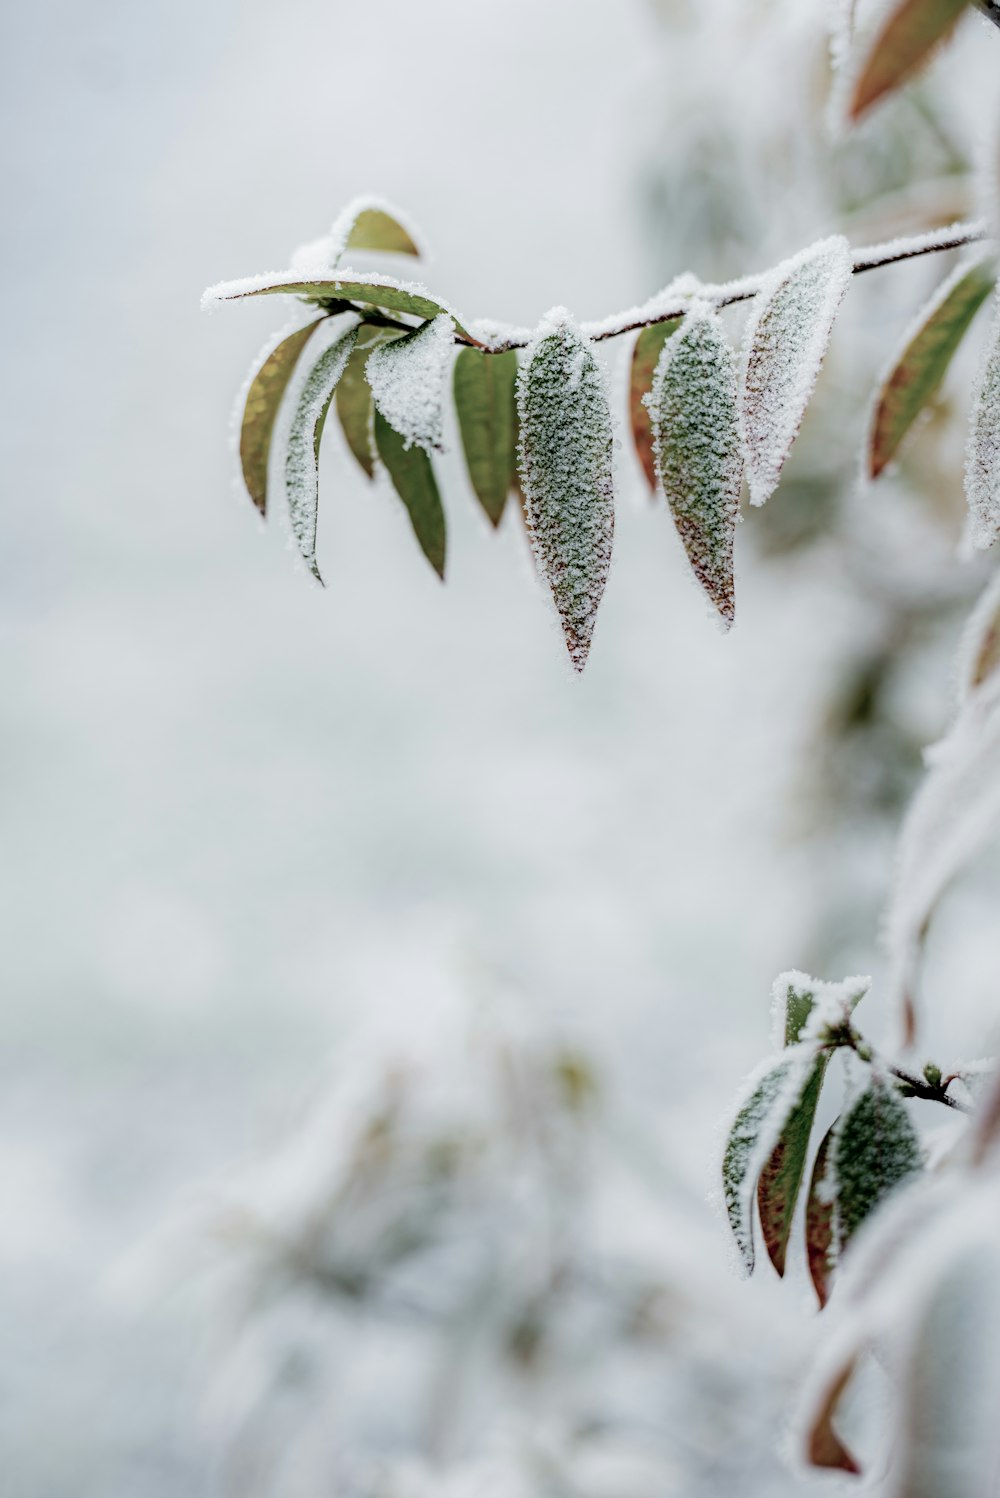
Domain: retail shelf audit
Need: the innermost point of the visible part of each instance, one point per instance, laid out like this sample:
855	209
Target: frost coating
370	223
693	405
565	465
408	378
874	1149
803	1007
784	345
302	448
982	456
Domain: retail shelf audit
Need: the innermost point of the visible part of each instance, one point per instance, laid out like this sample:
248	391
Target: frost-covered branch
932	1087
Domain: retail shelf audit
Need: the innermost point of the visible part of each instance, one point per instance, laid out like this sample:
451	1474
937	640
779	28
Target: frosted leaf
370	224
353	399
340	288
267	386
979	652
302	447
565	465
693	406
770	1097
982	457
781	1176
785	341
819	1223
408	378
952	816
874	1149
920	364
802	1007
895	46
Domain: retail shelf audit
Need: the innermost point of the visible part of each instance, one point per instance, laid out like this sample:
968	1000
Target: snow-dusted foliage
369	223
693	406
874	1149
565	464
408	378
301	456
267	386
786	339
982	465
917	368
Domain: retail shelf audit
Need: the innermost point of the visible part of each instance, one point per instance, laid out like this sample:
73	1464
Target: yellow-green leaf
353	399
918	370
413	478
904	42
375	229
263	399
487	419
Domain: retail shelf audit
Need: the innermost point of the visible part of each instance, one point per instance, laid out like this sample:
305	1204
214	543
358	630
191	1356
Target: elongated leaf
408	376
263	399
819	1223
785	342
413	478
874	1149
368	224
904	42
772	1097
982	459
645	356
781	1177
484	387
384	292
565	465
353	399
696	445
302	452
919	367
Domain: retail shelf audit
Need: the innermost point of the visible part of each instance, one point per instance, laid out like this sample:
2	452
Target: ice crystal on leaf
982	463
565	464
301	457
874	1148
693	405
408	378
784	345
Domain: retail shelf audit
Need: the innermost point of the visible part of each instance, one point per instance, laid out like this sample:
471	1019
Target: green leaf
376	229
819	1223
645	355
901	47
786	339
408	378
354	399
565	464
745	1153
920	367
382	292
982	458
794	995
413	478
263	399
696	444
874	1149
778	1186
304	436
487	419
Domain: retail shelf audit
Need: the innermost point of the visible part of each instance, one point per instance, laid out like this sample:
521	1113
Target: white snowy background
246	822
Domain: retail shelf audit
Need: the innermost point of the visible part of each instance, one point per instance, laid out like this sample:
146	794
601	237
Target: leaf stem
913	1086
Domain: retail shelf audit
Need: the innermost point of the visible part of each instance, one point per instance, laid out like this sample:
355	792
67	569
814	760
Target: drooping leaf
353	398
407	377
917	370
819	1223
771	1098
413	479
824	1447
368	224
781	1177
785	342
982	458
693	406
302	450
875	1148
383	292
645	355
565	466
263	399
484	387
909	32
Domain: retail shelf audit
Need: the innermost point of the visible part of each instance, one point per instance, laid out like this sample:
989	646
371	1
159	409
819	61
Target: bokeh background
269	851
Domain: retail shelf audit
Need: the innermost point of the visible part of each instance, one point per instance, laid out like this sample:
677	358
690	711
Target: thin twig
914	1086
